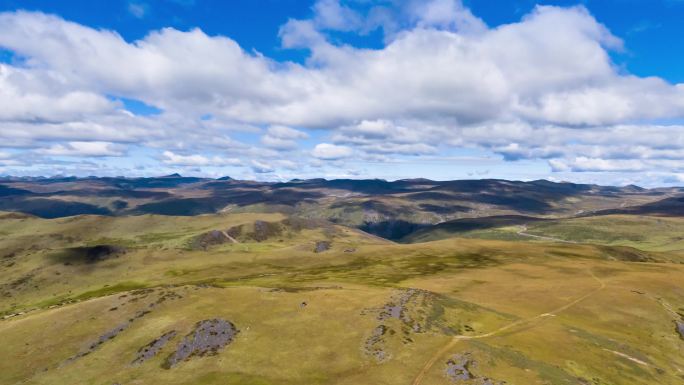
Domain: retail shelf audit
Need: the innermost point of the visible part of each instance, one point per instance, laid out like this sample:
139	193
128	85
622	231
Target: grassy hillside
649	233
267	299
643	232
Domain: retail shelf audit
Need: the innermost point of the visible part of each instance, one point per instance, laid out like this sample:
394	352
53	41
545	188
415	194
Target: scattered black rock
152	349
394	316
109	335
489	381
169	295
131	297
264	230
139	294
25	282
20	282
322	246
235	231
207	339
374	346
680	328
399	308
212	238
350	250
459	369
259	231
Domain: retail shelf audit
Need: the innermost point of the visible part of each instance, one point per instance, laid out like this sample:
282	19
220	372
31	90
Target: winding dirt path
456	339
523	232
225	233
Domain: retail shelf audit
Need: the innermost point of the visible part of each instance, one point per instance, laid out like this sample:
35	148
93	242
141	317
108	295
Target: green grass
109	290
647	233
659	234
304	317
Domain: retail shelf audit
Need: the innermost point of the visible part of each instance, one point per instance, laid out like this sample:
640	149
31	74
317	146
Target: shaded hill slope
392	210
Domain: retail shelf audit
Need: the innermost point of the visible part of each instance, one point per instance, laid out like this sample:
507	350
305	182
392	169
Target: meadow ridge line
430	363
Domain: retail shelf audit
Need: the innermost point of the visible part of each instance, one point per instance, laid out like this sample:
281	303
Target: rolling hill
277	283
391	210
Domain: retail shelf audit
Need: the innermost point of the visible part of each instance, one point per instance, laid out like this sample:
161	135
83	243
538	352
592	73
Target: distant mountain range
391	210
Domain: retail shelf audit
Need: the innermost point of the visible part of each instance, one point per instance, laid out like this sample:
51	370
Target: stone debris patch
129	298
212	238
322	246
400	308
459	370
109	335
152	349
402	313
680	328
207	339
374	344
166	296
264	230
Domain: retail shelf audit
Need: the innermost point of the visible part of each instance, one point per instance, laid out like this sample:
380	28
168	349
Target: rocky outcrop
207	339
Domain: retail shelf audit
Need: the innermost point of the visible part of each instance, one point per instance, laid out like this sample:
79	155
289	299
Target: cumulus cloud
30	95
448	14
87	149
329	151
260	167
7	159
586	164
544	87
553	57
282	137
195	160
330	14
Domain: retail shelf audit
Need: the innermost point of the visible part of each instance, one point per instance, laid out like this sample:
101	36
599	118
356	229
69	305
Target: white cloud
330	14
196	160
85	149
541	88
526	69
449	14
260	167
138	10
329	151
278	143
284	132
282	137
586	164
29	95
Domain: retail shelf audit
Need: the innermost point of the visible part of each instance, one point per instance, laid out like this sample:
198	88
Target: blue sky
586	91
652	29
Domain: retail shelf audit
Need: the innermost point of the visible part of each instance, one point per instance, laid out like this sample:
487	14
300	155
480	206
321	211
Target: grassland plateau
178	280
